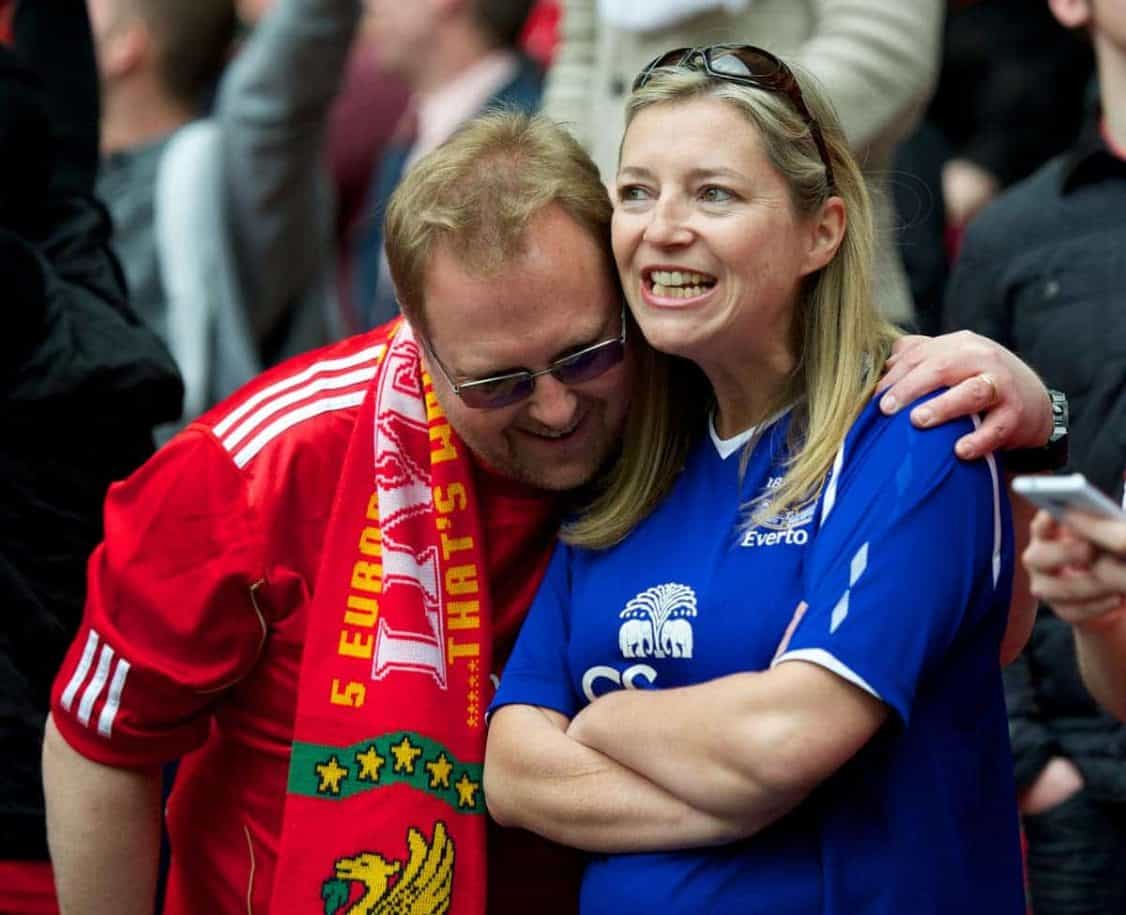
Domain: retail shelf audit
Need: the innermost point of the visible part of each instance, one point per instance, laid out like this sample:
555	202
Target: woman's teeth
678	284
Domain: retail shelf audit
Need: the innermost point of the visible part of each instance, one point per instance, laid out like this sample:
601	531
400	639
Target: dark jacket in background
1011	89
82	382
1043	271
376	303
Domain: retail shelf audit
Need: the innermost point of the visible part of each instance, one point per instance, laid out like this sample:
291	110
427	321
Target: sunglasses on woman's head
748	66
504	390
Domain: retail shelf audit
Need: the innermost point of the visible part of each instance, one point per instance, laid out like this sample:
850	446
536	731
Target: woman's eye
630	192
713	194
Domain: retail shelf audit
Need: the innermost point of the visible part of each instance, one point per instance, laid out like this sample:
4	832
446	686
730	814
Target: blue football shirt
905	563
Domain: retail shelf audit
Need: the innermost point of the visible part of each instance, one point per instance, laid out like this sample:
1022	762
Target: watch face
1059	415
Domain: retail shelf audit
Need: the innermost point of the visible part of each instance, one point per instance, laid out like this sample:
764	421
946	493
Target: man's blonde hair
839	337
477	194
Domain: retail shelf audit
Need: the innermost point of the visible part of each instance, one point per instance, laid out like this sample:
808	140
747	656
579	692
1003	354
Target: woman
762	674
878	59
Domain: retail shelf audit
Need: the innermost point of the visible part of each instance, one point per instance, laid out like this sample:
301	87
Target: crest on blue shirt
657	623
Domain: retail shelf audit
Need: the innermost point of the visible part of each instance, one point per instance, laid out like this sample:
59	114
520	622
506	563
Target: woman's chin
687	341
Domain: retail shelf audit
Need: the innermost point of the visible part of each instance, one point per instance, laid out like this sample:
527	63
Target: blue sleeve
537	672
913	551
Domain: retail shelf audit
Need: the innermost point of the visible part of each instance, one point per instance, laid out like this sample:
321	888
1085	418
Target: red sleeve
170	618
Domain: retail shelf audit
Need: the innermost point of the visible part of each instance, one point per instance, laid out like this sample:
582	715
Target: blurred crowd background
248	149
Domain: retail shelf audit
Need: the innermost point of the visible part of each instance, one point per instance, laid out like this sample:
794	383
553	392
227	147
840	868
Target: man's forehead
524	322
559	276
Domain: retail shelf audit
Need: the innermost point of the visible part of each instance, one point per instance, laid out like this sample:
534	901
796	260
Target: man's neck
454	50
138	116
1112	90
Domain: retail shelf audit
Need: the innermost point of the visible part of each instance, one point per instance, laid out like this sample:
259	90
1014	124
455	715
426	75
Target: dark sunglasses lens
499	393
590	364
673	58
745	62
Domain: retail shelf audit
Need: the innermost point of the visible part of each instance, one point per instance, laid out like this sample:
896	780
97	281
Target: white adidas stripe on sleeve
96	684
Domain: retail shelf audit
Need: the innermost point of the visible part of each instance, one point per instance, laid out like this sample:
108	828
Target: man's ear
125	49
1072	14
827	230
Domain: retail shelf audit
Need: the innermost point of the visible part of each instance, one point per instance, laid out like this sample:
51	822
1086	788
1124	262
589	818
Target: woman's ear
827	229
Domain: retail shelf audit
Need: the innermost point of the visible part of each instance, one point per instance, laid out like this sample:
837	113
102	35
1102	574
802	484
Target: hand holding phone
1067	492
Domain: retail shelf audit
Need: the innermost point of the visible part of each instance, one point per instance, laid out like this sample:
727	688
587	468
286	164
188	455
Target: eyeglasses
504	390
748	66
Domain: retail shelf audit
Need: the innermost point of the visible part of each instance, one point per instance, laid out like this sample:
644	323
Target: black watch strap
1053	455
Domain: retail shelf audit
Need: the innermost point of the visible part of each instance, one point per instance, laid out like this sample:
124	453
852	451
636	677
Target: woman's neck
753	393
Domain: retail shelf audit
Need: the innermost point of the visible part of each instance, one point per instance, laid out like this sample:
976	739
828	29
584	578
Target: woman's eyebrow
699	173
634	171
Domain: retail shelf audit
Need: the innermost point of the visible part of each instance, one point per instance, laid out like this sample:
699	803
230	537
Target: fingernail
922	417
964	451
889	404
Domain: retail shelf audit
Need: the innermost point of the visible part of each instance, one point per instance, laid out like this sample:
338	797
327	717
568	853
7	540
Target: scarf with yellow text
384	811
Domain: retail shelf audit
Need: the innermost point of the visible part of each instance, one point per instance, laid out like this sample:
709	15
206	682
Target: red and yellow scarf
385	811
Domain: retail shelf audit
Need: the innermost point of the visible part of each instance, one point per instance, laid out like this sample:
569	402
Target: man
1041	271
308	590
158	64
83	383
457	58
1079	568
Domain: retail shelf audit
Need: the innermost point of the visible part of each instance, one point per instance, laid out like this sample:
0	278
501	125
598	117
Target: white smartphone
1057	494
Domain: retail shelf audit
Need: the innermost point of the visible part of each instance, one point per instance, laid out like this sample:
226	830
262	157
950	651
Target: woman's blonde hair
840	340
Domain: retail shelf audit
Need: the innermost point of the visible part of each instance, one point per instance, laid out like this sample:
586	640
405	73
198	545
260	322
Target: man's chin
568	469
555	479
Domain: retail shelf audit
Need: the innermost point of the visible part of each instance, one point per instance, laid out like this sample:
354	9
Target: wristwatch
1053	455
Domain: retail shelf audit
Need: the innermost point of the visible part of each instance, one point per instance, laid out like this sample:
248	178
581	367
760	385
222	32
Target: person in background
364	116
158	64
989	125
83	381
458	59
1040	271
1078	567
990	103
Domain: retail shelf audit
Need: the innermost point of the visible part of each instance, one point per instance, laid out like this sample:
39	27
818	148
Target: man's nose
553	404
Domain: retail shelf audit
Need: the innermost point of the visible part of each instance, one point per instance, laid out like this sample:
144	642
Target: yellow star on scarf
406	754
466	791
331	773
440	770
370	763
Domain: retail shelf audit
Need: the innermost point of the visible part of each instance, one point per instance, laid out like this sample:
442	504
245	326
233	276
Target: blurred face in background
108	21
250	11
400	32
